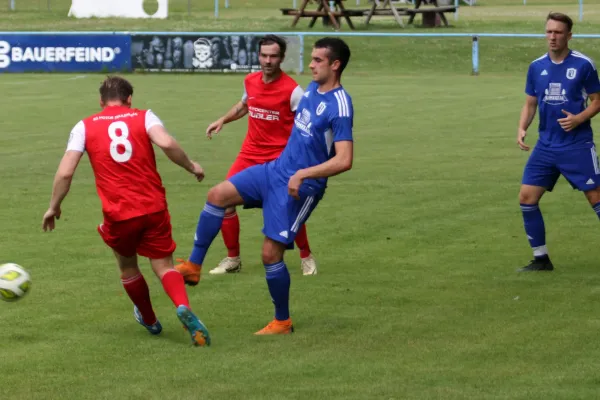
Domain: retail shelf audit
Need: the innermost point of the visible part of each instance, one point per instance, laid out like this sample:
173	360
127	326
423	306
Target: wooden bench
333	14
430	14
386	8
314	13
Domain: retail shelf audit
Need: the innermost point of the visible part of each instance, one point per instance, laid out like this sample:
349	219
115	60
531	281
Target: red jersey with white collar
271	111
123	161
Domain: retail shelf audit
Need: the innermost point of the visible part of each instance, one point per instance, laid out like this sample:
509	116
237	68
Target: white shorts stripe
303	212
595	161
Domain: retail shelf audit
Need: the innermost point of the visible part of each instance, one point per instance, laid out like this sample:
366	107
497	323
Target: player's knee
593	196
271	254
524	198
230	210
528	197
216	196
269	257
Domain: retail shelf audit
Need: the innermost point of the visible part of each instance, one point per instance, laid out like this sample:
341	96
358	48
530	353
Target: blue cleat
194	326
154	329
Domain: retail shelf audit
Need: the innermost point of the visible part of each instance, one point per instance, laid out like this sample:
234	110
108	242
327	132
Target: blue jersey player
289	188
561	83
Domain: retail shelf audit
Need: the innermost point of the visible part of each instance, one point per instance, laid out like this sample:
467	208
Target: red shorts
241	164
147	235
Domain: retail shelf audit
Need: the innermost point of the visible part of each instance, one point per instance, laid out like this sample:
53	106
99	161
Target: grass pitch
417	295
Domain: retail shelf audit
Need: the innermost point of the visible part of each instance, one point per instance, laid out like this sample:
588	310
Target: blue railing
301	35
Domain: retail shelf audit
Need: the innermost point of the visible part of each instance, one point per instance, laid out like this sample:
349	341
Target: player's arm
341	162
529	108
160	137
593	108
341	127
527	114
591	85
572	121
167	143
61	186
236	112
64	175
239	110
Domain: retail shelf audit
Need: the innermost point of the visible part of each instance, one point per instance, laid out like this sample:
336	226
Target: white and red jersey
123	161
271	110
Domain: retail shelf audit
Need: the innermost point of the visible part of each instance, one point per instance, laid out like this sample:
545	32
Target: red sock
231	234
302	242
137	289
174	286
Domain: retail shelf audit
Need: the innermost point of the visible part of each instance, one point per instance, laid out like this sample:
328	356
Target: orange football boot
277	327
189	270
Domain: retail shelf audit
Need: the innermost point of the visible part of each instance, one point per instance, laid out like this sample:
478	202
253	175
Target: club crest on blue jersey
321	108
571	73
303	123
555	94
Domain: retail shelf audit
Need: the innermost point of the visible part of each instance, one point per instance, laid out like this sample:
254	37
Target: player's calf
221	196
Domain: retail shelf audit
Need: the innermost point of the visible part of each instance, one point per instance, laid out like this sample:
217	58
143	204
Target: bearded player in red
119	141
270	99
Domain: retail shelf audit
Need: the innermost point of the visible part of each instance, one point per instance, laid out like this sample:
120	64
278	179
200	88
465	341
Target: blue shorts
261	186
578	166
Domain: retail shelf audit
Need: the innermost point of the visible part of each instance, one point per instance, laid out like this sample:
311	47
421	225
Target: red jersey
271	109
122	158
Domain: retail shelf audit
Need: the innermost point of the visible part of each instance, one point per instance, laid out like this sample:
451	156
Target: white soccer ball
15	282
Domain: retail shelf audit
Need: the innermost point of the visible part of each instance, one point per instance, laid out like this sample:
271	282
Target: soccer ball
15	282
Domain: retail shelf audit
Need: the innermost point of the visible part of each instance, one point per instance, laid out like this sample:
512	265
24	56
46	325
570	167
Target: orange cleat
189	271
277	327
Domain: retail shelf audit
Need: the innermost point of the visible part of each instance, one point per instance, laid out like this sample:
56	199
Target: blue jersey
321	120
562	86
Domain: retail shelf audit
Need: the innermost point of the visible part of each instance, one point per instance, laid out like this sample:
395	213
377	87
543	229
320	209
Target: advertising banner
65	53
205	53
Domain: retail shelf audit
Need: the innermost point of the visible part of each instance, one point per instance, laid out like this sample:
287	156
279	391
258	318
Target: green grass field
417	295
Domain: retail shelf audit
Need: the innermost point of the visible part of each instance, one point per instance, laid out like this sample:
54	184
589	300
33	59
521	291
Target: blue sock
534	227
208	227
596	208
278	279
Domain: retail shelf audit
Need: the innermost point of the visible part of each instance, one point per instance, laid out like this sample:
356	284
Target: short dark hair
338	50
115	88
560	17
274	39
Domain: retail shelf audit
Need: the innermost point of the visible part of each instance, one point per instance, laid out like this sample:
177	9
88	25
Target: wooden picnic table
429	13
388	8
334	13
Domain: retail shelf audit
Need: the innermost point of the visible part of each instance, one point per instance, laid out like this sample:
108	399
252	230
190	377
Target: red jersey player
270	99
119	141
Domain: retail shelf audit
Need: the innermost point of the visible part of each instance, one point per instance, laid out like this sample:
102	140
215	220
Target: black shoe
538	264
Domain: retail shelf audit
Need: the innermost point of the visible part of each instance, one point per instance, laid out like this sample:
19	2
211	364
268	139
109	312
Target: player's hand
198	171
48	221
521	139
294	186
215	128
570	122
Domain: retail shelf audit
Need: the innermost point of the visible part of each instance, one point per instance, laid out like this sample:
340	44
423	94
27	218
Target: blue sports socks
278	280
208	227
596	208
535	229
